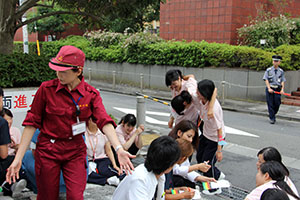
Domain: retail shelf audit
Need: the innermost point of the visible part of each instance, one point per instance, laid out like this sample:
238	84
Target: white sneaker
222	176
113	181
18	187
208	192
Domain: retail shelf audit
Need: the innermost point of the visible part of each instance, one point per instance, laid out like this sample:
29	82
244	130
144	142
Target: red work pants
68	155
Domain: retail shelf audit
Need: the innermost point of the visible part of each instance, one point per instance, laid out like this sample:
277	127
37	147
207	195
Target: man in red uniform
61	108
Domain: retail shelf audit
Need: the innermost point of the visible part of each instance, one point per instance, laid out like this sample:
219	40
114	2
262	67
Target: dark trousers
207	152
273	101
105	171
179	181
4	164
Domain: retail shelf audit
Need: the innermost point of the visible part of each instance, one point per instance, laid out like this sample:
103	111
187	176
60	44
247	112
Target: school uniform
102	169
141	184
53	112
124	137
208	141
182	176
275	76
191	113
257	192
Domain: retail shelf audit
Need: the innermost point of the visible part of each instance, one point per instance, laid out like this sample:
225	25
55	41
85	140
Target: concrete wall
239	83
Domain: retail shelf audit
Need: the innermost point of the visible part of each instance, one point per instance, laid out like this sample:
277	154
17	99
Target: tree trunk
7	26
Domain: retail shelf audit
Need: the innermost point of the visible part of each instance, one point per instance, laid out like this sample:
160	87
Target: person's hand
12	173
210	114
204	167
170	123
124	160
205	179
219	156
117	169
282	92
140	129
12	144
188	194
270	90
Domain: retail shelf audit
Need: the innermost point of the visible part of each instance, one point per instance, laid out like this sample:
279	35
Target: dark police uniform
275	78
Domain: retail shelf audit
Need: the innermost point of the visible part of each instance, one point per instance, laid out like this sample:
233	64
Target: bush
277	31
105	39
151	50
24	70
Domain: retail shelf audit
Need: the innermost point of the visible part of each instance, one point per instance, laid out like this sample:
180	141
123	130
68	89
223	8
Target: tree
89	10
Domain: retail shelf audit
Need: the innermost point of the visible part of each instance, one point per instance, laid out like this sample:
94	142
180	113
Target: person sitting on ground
102	165
185	174
177	82
149	177
271	174
172	193
274	194
269	154
15	133
28	164
16	188
129	136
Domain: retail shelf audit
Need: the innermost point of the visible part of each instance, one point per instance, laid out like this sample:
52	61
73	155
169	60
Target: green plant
24	70
276	31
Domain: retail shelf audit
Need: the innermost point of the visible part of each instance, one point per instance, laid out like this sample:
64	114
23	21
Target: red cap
68	57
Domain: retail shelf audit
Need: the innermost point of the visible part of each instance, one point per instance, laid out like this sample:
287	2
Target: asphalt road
240	156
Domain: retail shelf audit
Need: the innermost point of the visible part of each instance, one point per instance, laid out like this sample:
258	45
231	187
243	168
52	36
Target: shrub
105	39
23	70
277	31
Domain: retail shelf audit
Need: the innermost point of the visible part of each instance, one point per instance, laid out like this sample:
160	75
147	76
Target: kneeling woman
129	136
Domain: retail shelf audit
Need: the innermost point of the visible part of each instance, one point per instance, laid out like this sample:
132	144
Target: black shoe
272	121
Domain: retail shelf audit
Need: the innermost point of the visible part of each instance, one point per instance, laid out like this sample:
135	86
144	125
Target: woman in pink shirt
15	133
129	136
102	164
210	147
178	83
271	174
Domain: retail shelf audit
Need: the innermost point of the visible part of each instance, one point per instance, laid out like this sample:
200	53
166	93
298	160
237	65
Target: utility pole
25	31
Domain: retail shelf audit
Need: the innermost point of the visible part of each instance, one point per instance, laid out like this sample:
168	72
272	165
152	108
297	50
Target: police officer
274	79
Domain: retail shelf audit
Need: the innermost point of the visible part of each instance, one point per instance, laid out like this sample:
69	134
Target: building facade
214	20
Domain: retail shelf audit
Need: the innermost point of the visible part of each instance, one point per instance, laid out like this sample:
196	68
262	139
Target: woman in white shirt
271	174
185	174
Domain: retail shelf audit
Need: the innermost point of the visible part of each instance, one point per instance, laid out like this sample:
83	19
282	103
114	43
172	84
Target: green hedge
148	49
24	70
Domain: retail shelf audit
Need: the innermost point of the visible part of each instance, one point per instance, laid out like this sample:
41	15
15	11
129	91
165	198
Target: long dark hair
271	153
277	173
129	119
184	126
177	102
172	75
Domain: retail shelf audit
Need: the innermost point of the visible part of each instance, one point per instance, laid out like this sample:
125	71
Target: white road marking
151	120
